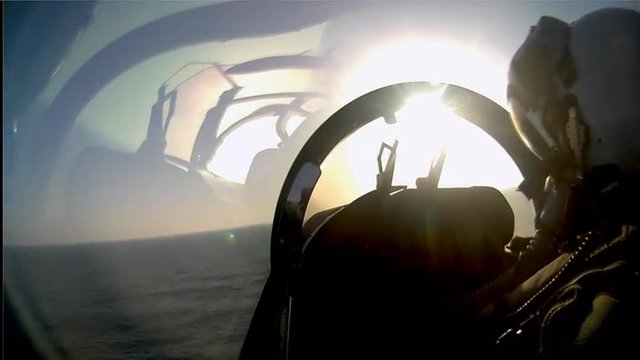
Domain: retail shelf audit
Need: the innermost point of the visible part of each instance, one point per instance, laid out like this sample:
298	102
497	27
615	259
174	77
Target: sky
55	180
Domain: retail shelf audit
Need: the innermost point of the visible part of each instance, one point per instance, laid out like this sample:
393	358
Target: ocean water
178	298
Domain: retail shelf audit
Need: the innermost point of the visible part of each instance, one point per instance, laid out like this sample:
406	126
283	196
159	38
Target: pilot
574	96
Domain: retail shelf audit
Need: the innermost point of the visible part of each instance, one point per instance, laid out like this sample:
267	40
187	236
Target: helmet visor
531	128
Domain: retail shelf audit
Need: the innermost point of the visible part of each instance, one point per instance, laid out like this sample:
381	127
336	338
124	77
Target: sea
187	297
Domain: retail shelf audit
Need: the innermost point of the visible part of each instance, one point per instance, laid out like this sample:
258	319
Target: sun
425	124
425	127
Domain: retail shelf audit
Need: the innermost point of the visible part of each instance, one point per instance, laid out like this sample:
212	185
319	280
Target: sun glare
425	126
405	60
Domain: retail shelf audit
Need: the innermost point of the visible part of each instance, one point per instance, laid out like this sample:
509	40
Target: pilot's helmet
574	92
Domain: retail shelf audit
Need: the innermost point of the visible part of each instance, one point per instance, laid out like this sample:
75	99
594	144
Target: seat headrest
452	231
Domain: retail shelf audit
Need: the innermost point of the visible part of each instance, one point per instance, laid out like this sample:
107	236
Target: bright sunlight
419	59
425	126
234	157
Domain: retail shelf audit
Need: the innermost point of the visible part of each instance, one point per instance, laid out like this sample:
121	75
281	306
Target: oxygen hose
590	248
531	258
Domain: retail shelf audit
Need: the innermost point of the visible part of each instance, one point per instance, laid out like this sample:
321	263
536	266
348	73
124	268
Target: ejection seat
376	277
